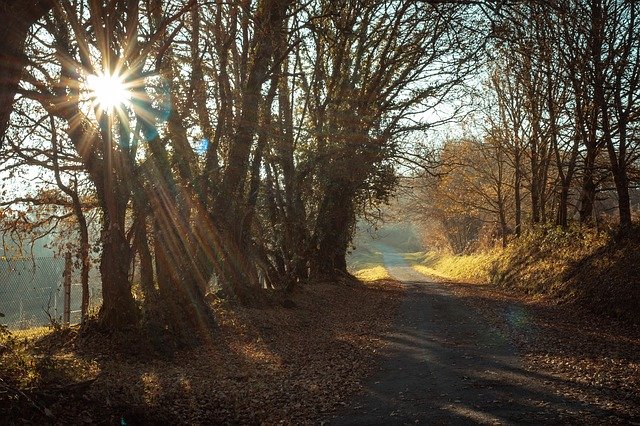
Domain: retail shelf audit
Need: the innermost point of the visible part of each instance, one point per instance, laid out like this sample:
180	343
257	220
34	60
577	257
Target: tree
376	68
17	16
615	54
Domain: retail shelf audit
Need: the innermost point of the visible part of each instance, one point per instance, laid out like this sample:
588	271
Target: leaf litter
262	366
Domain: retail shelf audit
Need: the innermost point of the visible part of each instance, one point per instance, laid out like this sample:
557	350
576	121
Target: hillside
595	271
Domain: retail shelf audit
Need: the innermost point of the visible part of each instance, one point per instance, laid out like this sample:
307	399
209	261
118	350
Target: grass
32	333
367	265
539	261
474	268
373	274
28	362
597	270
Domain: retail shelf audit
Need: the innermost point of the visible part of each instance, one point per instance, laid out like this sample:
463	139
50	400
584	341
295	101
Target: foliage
555	137
594	269
468	201
243	160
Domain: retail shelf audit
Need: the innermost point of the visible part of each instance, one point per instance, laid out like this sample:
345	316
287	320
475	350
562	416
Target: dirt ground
270	365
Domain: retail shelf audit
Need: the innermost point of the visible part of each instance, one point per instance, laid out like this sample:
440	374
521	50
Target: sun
107	91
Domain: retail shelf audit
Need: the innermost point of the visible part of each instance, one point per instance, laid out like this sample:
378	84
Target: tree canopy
238	142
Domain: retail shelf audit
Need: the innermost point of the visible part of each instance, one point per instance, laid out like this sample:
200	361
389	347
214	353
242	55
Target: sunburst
107	92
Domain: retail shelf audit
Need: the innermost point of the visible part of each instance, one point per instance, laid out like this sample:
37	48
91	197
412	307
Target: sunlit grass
31	333
541	260
472	267
367	264
373	274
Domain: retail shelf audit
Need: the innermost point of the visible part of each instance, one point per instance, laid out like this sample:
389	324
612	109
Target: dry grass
32	333
373	274
470	268
366	264
538	261
596	270
599	271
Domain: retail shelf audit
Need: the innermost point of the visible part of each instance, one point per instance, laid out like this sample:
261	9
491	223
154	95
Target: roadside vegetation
470	267
365	259
366	263
599	271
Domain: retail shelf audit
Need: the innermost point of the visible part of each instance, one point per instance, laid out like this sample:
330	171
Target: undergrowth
598	270
20	368
536	262
28	363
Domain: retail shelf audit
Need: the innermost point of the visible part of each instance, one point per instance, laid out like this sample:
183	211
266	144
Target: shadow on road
444	363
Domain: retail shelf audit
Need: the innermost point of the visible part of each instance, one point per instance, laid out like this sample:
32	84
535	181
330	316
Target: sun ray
107	92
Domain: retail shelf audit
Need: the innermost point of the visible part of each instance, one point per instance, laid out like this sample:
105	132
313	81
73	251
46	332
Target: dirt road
446	364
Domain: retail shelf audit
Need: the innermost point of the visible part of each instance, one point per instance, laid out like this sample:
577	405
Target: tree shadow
263	365
469	372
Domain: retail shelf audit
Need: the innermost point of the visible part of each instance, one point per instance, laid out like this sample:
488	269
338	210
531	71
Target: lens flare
107	91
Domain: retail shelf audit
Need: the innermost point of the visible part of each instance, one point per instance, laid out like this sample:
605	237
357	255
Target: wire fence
32	292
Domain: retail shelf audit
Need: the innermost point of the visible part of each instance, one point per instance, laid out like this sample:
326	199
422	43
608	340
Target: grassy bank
540	262
595	270
472	267
598	271
366	264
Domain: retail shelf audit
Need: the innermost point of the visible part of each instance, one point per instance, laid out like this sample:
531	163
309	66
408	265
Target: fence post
67	289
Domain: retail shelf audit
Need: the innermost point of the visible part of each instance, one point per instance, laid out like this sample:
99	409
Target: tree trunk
563	206
17	16
119	310
336	219
84	258
535	176
617	159
624	203
179	273
144	254
621	181
588	195
239	265
269	18
518	197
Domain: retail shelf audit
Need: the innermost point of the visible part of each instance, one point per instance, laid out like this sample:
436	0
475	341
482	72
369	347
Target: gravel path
446	364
